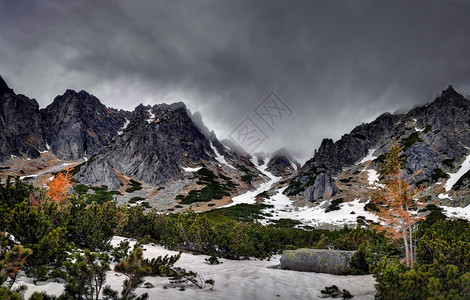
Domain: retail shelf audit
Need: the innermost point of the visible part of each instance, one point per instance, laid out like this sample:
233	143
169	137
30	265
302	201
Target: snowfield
368	157
250	196
456	176
284	208
242	279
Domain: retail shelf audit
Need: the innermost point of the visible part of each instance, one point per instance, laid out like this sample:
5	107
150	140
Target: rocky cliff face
4	88
20	125
78	124
434	137
281	164
157	141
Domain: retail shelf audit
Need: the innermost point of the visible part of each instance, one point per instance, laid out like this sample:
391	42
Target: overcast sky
335	64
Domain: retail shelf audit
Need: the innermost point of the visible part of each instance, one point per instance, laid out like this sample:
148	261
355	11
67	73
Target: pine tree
85	275
395	199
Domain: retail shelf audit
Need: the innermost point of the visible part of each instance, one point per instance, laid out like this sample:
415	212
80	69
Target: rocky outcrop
155	144
281	164
4	88
323	188
434	137
78	125
20	125
334	262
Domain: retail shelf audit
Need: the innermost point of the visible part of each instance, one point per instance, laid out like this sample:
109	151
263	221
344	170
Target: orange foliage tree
59	186
396	203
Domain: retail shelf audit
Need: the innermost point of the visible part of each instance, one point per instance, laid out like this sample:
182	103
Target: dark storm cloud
335	63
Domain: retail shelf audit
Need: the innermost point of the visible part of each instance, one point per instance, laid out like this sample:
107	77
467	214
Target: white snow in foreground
220	158
250	196
284	208
189	169
458	212
456	176
368	157
234	279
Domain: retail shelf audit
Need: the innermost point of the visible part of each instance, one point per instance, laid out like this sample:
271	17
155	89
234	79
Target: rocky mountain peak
4	88
78	124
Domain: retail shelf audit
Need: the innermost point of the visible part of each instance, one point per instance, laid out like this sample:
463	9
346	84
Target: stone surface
20	127
317	260
435	138
78	124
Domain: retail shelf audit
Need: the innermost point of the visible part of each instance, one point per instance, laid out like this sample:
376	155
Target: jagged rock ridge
78	124
435	138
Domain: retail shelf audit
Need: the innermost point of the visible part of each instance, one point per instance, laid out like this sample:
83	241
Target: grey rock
78	125
20	127
431	135
324	187
151	149
4	88
281	164
334	262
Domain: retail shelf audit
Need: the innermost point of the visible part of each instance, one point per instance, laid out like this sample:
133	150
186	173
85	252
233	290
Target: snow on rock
220	158
126	123
152	117
456	176
368	157
189	169
284	208
444	196
457	212
250	196
29	176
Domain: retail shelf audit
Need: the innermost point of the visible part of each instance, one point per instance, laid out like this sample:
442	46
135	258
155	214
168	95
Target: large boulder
317	260
324	187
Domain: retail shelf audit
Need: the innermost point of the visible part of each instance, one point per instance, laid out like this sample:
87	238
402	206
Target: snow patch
220	158
151	118
458	212
373	177
444	196
456	176
126	123
368	157
189	169
284	208
29	176
250	196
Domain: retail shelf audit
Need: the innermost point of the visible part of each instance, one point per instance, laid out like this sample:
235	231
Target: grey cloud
336	63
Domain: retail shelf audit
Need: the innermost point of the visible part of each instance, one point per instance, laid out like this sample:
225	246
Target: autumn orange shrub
60	186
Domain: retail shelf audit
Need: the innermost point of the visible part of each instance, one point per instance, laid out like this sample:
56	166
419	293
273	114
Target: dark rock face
334	262
20	126
78	124
281	164
324	188
4	88
430	135
156	142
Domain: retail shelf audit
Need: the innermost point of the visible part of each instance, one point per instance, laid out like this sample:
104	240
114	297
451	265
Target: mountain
4	88
282	164
20	125
435	139
78	124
